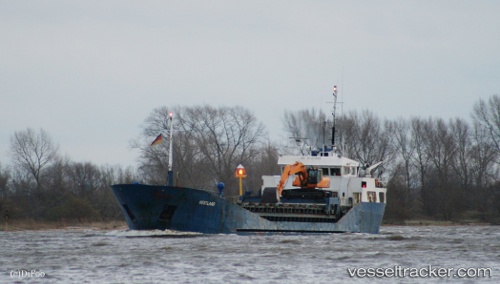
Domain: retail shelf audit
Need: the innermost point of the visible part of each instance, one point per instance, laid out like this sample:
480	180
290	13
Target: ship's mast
333	113
170	175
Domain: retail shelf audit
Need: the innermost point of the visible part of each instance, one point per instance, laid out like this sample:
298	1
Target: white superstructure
350	182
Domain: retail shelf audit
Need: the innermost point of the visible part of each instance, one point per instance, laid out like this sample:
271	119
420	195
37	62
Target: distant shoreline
33	225
425	222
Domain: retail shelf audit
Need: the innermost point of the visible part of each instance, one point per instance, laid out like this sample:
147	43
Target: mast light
240	173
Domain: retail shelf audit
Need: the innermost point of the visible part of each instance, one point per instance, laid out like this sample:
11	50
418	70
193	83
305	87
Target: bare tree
209	143
153	161
365	138
460	131
487	115
31	152
403	144
444	195
441	148
224	136
85	178
419	137
4	180
309	125
4	192
264	162
404	176
399	206
482	158
420	159
102	198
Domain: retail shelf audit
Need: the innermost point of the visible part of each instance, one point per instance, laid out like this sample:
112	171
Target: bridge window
345	171
335	171
357	197
372	196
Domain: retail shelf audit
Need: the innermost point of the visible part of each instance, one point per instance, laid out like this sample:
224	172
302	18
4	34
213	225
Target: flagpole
170	176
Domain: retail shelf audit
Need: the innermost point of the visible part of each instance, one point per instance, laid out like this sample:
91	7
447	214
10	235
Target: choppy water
95	256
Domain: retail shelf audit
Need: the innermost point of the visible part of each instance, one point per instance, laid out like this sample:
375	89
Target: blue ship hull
148	207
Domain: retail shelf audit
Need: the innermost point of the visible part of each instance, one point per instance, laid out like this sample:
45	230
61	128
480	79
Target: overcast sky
90	72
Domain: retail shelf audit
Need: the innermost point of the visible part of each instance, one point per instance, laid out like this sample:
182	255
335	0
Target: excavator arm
305	178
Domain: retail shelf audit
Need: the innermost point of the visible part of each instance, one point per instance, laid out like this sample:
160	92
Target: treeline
433	168
445	170
40	184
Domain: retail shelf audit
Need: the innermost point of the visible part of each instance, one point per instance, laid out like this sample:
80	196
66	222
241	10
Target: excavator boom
306	178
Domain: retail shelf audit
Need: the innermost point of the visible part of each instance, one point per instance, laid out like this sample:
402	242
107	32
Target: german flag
158	140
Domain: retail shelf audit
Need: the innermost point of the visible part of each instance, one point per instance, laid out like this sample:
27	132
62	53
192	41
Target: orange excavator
306	178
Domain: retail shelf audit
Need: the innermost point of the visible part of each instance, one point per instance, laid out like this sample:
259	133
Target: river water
406	254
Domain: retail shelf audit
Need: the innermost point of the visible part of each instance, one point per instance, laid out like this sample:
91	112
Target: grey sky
90	72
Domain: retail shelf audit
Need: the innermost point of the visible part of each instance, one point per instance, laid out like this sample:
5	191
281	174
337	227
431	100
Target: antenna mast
333	113
170	176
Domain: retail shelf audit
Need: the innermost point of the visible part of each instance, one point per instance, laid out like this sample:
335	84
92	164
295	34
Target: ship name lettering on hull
206	203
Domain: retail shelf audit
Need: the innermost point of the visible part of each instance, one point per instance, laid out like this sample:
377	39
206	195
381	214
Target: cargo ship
317	192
